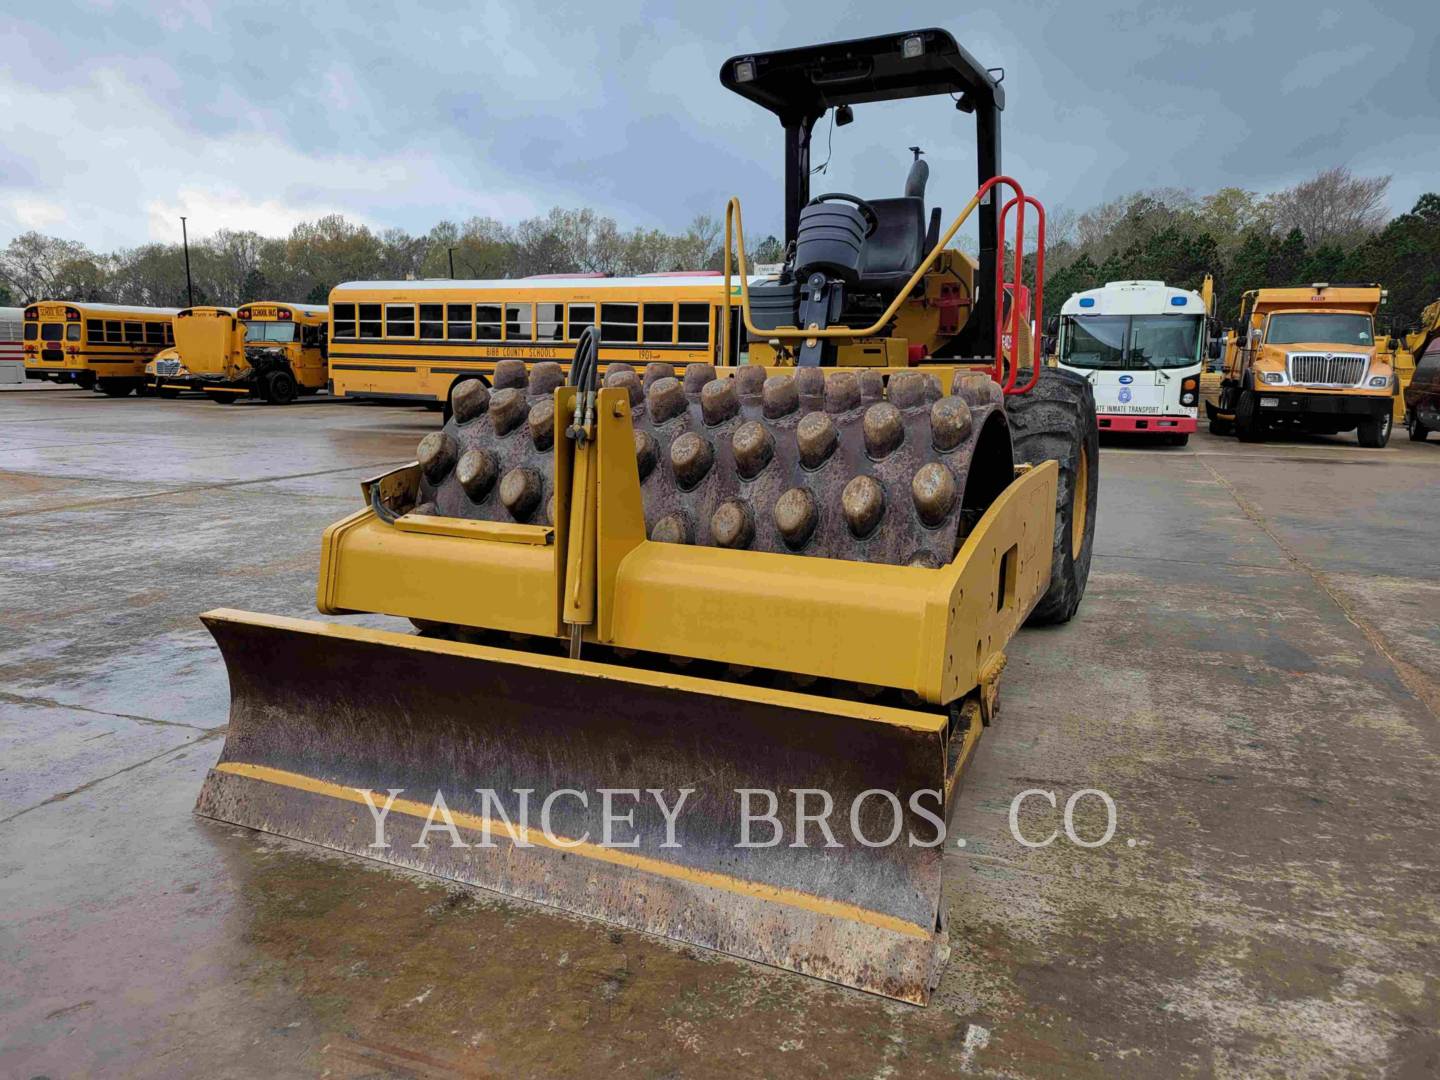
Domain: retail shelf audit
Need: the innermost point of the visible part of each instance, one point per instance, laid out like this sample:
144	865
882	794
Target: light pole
185	240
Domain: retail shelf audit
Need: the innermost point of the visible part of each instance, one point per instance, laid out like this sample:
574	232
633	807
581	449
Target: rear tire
1374	431
1414	428
281	388
1180	439
1056	422
114	387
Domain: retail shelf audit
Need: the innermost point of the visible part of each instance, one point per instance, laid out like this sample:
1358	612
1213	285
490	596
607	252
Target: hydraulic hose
584	376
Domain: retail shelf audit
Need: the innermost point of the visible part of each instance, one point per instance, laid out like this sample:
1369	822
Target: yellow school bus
411	341
98	346
273	351
202	335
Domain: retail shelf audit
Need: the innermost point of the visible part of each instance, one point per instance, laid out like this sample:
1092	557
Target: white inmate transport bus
1141	344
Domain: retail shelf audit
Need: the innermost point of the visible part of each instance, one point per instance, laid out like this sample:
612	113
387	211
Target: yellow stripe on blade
476	823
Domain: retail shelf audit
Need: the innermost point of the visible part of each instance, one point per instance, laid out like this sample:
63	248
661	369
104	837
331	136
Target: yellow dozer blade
643	676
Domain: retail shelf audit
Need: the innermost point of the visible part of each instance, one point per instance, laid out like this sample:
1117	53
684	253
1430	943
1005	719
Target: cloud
38	214
125	172
1323	69
263	114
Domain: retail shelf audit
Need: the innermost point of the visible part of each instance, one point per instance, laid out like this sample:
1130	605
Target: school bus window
32	331
51	331
369	320
550	322
399	320
114	332
458	322
154	333
72	331
344	320
518	318
312	337
581	316
169	334
487	322
134	333
432	321
694	324
618	323
95	329
255	330
659	325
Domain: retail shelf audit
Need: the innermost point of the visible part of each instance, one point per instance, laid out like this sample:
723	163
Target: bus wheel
1181	439
114	387
280	388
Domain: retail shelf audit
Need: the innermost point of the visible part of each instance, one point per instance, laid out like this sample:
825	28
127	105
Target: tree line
1331	227
232	266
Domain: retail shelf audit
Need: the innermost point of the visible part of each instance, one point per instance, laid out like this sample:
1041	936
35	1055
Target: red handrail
1039	315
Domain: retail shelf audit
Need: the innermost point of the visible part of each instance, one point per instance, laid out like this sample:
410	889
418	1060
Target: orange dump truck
1306	361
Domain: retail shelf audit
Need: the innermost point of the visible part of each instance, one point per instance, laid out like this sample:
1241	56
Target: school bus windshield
269	331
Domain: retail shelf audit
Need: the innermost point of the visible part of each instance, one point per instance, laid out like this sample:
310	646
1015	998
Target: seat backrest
898	244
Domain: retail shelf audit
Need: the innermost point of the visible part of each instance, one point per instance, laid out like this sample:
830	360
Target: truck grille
1327	369
167	367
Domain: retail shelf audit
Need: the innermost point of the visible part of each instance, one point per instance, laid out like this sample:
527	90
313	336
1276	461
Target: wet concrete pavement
1254	678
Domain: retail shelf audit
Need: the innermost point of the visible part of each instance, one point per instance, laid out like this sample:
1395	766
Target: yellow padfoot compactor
669	619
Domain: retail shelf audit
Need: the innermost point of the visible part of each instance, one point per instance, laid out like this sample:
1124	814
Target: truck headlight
1379	380
1272	378
1187	398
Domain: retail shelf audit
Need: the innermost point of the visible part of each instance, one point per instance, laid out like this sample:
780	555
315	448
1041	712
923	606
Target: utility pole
451	253
189	286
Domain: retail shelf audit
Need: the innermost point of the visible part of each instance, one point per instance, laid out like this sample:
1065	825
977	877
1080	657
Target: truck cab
1141	346
1307	361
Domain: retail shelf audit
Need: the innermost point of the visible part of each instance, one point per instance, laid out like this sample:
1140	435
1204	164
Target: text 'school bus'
413	340
273	351
12	356
1141	344
100	346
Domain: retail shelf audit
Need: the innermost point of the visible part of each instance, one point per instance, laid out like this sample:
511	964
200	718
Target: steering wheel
872	219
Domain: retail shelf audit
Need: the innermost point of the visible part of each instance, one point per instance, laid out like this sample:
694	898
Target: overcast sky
119	117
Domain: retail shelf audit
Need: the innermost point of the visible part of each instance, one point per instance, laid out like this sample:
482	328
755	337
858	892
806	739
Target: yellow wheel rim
1080	507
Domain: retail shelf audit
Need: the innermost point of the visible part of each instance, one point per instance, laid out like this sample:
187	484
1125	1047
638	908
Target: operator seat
901	241
895	248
